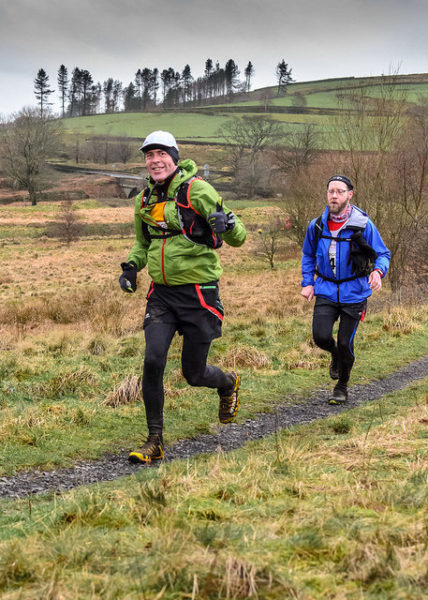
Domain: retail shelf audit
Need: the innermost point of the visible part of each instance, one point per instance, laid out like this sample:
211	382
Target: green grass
54	387
202	123
187	126
336	509
330	510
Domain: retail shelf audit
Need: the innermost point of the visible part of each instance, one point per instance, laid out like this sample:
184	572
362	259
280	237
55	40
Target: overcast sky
113	38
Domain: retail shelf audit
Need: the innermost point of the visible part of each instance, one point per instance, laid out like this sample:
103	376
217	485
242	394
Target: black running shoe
339	395
229	401
334	370
152	449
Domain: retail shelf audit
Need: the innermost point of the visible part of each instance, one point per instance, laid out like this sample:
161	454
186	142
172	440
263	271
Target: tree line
80	95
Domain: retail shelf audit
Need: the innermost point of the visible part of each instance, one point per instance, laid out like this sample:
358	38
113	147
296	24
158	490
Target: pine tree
63	86
108	95
187	79
87	98
130	98
249	72
167	78
231	74
42	91
283	74
208	77
75	92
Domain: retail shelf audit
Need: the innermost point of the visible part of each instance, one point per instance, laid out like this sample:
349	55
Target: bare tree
122	150
27	140
248	137
271	239
266	98
304	198
68	228
387	159
406	228
367	129
299	151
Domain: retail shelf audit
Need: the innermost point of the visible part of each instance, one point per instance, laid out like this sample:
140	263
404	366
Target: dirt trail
229	437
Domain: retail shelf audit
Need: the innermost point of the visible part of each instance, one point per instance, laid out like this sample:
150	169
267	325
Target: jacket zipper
163	260
338	245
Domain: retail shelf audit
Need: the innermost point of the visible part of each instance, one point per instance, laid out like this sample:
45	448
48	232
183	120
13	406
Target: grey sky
113	38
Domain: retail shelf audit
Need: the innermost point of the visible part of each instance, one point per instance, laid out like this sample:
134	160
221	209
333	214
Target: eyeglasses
338	192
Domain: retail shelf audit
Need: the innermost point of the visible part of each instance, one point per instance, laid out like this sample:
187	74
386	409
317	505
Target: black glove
220	222
128	279
361	255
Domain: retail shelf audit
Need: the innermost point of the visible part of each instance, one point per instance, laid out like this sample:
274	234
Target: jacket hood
358	217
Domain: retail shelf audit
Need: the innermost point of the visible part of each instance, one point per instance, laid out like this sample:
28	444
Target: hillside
314	102
263	521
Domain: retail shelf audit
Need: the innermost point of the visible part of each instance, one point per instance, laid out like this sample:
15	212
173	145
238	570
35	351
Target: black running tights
324	318
193	363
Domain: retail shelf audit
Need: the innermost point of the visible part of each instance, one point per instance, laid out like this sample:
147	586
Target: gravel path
229	437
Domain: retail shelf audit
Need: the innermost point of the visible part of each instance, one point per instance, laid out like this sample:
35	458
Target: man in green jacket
179	222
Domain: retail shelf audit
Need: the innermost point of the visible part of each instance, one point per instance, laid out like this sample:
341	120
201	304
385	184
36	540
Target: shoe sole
137	458
336	401
235	390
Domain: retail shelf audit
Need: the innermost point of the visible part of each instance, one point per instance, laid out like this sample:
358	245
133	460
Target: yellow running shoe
152	449
229	401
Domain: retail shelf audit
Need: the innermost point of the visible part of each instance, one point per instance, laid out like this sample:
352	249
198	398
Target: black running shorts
195	309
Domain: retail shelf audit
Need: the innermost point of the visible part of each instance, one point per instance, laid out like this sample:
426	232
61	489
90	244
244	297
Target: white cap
159	139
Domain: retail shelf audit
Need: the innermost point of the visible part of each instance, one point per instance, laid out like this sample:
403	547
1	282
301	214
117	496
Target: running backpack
193	225
361	254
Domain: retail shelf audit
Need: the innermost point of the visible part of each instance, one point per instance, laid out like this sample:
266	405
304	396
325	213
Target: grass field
202	123
262	522
332	510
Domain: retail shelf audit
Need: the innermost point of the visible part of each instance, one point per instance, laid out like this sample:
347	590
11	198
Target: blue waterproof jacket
316	256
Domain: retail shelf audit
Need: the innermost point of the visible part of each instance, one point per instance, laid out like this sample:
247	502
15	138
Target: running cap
161	140
342	178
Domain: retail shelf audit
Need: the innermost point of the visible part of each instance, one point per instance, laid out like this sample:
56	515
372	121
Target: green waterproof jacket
176	260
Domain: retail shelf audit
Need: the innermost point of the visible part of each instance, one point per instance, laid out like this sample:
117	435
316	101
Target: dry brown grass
274	293
99	309
400	320
127	392
306	356
244	356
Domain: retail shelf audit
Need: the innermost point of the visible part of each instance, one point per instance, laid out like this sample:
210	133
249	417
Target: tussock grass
127	392
399	320
101	310
65	384
309	513
306	356
244	356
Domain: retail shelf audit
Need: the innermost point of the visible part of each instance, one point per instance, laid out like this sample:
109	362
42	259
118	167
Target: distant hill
315	102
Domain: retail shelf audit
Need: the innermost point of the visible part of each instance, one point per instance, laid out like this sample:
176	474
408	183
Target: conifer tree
63	86
283	74
42	91
249	72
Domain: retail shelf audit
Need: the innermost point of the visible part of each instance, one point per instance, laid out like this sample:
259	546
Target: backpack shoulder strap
318	230
182	197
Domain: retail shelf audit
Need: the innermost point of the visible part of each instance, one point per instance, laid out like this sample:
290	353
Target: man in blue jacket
345	251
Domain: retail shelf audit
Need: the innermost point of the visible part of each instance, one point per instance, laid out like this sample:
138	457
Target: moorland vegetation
335	509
